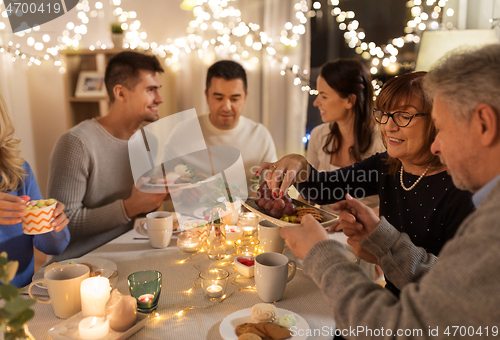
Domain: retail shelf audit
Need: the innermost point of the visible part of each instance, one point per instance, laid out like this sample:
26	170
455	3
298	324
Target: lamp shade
435	44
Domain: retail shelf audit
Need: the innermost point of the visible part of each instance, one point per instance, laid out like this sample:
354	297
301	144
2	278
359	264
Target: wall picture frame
90	84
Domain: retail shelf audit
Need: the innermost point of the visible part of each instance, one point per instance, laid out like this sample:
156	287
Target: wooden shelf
82	108
86	99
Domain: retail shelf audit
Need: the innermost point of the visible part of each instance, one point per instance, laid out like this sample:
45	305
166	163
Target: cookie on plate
249	328
249	336
277	332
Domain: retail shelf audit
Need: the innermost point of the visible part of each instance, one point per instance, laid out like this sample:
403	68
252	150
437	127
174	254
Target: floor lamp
435	44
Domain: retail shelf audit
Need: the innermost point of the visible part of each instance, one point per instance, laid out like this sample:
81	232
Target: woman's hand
61	220
282	174
12	208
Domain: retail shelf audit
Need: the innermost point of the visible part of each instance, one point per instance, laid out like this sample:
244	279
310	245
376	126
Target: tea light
214	291
189	242
146	298
93	328
233	233
95	294
248	223
214	282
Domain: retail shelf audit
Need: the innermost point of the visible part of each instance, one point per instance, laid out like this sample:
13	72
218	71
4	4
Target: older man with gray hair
457	295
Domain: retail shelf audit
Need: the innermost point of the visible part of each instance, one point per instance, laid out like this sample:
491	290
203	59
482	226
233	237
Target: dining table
183	311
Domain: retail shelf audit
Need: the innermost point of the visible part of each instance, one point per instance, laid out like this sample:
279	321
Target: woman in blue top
16	180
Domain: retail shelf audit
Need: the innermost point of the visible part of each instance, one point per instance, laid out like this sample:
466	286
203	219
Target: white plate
329	218
229	324
160	188
68	329
200	213
97	263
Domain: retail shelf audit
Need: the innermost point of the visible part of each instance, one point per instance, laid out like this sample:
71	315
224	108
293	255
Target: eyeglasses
400	118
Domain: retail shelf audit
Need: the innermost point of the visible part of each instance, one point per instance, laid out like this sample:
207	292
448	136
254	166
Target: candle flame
94	322
180	313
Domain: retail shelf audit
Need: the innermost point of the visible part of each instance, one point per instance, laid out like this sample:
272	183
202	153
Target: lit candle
94	293
146	297
145	301
233	233
214	291
93	328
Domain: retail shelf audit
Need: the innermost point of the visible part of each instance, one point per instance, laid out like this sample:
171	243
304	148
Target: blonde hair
11	170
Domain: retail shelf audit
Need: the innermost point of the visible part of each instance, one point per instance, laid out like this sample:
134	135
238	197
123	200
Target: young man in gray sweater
456	294
90	169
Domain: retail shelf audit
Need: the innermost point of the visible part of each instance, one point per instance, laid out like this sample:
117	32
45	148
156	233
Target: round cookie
249	336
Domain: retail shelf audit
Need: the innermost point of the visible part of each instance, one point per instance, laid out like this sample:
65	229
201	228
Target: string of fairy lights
238	282
217	26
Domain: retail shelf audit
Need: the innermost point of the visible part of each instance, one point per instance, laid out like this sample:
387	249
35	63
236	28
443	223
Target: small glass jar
189	242
213	283
248	222
247	247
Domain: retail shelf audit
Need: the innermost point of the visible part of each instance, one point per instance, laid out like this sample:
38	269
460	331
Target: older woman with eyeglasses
417	196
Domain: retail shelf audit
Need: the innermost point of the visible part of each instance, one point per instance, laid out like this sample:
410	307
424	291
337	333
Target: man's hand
12	208
61	220
142	202
361	252
301	239
357	219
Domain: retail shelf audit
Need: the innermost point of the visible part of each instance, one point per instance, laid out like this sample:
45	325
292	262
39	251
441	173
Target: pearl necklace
414	184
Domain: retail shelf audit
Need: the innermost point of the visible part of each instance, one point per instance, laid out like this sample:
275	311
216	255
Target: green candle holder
145	287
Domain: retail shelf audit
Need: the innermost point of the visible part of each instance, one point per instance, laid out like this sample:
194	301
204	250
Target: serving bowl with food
285	211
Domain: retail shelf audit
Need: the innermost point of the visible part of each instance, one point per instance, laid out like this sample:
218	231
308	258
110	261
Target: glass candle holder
213	283
248	248
248	222
189	242
145	287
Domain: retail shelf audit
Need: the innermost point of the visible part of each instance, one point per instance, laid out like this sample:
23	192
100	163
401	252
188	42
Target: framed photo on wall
90	84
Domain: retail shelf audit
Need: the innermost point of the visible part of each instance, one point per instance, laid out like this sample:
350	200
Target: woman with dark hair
417	196
345	102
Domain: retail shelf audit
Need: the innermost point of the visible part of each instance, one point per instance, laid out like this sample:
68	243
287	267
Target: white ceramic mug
159	228
269	237
63	285
272	272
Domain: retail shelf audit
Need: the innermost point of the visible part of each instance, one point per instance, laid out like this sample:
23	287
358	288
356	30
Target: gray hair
466	78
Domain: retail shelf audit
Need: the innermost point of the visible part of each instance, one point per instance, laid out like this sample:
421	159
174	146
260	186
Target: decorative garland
233	38
232	280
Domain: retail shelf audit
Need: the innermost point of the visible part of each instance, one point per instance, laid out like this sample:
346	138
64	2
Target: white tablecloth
302	296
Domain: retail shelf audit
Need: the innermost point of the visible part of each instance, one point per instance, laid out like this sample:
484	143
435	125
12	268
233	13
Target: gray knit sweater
455	295
90	173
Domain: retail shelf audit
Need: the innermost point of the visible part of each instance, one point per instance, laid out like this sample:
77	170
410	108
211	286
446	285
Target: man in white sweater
90	169
226	94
